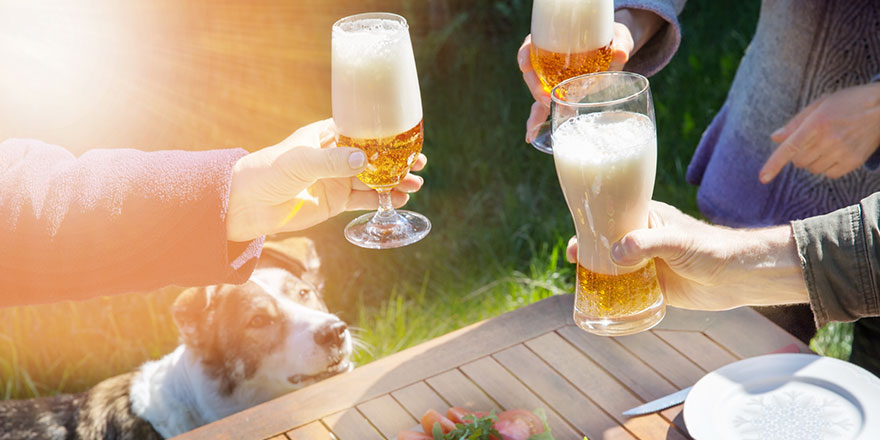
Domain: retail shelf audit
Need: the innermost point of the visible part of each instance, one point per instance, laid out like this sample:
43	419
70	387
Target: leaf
437	432
546	434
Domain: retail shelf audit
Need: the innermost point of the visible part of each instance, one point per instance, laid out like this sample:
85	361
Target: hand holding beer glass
569	38
605	150
377	107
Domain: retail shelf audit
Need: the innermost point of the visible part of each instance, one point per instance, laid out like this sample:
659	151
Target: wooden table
530	358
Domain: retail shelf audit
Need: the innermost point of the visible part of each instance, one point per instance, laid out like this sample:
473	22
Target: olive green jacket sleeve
840	259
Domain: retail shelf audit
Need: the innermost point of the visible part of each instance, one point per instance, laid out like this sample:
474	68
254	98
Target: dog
242	345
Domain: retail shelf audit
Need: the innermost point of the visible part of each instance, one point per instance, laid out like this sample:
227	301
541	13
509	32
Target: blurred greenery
500	223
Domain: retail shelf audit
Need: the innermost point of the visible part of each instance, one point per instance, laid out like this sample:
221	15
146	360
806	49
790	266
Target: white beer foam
572	26
606	164
375	85
603	138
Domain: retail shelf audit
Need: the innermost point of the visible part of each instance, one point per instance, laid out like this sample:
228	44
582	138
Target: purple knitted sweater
114	221
801	50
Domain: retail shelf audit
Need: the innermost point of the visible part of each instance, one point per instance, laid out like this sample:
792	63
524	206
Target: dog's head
264	338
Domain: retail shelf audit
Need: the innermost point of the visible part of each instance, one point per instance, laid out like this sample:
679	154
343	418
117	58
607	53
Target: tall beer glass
569	38
377	107
605	150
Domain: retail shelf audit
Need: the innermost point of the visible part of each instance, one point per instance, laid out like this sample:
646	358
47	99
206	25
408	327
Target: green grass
500	222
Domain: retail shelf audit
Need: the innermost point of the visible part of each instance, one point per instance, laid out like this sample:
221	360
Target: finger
306	164
524	56
807	156
840	169
571	251
821	164
409	184
420	163
622	46
536	87
537	116
642	244
368	200
781	134
798	143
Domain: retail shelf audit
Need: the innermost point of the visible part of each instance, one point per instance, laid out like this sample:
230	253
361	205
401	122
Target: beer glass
377	107
605	150
569	38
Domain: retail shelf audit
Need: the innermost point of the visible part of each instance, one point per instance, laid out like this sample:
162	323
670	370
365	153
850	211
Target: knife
678	397
659	404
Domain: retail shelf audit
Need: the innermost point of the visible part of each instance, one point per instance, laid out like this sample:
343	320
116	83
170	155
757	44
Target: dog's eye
259	321
304	293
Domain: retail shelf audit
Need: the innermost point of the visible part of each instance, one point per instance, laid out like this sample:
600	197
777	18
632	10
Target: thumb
642	244
311	164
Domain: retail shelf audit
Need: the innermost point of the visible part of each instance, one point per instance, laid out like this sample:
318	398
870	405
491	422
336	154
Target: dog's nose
331	335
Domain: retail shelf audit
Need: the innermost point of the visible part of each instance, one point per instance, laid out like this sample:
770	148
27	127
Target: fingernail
764	177
357	159
777	132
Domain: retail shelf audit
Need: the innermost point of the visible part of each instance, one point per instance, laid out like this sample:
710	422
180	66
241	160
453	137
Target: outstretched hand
833	136
706	267
303	181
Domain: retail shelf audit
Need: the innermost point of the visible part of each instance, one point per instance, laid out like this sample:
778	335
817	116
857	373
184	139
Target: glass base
398	229
543	142
622	326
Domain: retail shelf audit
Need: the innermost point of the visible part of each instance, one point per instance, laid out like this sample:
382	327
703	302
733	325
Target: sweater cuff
656	53
832	250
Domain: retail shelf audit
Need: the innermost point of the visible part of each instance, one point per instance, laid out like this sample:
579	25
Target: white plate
785	396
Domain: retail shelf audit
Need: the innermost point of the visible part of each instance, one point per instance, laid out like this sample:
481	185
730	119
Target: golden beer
390	158
552	68
616	296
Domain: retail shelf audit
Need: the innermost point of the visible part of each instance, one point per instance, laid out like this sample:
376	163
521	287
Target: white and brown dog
242	345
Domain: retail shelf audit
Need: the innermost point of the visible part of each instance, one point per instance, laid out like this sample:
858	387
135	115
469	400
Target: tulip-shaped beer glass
569	38
377	107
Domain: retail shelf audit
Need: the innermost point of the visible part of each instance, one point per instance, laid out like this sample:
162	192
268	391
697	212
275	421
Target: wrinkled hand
706	267
622	44
834	135
303	181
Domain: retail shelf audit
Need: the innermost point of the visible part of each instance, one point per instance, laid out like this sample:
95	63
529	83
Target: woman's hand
706	267
834	135
303	181
622	45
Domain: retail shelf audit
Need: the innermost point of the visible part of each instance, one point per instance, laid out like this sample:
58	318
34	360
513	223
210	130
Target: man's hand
706	267
303	181
834	135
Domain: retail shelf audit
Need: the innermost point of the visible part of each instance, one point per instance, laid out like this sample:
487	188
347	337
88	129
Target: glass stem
386	210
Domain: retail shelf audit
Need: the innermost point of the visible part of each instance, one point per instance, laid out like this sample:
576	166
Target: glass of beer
377	107
605	150
569	38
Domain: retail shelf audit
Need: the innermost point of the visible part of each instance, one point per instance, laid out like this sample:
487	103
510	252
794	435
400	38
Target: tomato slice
413	435
432	417
518	424
457	413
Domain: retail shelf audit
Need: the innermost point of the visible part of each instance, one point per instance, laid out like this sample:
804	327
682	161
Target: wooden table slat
458	390
737	334
418	398
663	358
507	390
351	425
312	431
697	347
626	367
562	397
279	437
387	416
598	385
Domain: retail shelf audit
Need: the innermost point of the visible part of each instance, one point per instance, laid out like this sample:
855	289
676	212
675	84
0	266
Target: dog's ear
190	311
